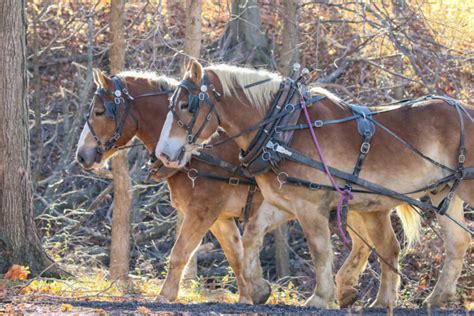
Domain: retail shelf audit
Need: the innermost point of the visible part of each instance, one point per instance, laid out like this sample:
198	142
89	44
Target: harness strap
295	156
318	123
247	209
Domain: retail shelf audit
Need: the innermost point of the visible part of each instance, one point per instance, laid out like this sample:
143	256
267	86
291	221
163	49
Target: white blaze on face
170	146
82	140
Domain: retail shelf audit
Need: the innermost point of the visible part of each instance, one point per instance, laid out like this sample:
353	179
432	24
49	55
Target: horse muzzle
89	158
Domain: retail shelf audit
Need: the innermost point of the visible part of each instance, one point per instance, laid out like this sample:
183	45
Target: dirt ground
134	308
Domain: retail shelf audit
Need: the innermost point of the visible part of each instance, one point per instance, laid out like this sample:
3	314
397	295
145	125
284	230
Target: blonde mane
233	78
315	90
165	83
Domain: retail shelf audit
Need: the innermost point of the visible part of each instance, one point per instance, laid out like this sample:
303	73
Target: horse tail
411	222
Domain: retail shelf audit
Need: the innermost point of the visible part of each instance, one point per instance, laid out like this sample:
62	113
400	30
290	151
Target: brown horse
211	204
431	126
205	207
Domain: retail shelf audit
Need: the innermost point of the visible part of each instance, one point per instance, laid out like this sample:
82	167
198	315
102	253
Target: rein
345	193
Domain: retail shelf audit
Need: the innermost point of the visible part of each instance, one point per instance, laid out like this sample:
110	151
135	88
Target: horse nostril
164	157
80	159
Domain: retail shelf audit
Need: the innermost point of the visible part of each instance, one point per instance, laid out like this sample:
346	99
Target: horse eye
183	105
99	112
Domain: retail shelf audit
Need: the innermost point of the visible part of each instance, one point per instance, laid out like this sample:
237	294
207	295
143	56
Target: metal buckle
192	176
115	136
277	129
202	96
180	123
450	196
289	105
318	123
281	178
364	148
190	138
314	186
266	155
234	181
461	158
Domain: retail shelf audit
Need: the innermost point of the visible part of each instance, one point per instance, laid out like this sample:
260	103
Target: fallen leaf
17	272
143	310
9	309
469	305
66	307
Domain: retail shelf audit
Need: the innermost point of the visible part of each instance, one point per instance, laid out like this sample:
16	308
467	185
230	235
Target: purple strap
346	194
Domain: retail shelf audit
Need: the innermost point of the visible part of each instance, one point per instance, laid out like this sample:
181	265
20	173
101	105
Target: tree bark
122	207
288	51
288	56
19	242
192	42
192	48
244	39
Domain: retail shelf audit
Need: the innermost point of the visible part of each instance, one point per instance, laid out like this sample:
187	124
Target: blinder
111	111
110	107
194	106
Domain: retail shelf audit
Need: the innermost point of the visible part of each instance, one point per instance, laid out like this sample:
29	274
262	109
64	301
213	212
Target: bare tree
288	56
244	39
19	242
121	226
192	41
192	48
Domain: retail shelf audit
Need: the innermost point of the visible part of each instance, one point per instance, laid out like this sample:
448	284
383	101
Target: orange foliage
17	273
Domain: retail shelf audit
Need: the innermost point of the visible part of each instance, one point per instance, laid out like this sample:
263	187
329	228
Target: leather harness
272	143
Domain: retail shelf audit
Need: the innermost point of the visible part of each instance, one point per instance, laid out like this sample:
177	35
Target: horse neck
236	117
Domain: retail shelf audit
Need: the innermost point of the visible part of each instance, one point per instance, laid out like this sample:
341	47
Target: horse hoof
262	293
378	304
316	301
348	298
438	302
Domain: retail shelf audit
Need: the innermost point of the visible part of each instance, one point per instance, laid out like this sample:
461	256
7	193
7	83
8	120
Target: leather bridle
121	97
194	105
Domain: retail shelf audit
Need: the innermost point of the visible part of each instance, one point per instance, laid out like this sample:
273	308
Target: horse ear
194	72
101	79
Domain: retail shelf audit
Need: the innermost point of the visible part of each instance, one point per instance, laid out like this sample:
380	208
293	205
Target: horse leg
228	235
196	222
383	237
315	225
456	242
355	263
256	289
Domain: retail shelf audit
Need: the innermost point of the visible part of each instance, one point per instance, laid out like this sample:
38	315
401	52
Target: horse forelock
233	79
165	83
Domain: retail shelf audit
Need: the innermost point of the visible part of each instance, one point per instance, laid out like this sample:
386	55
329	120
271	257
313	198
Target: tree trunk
19	242
192	48
288	56
244	39
121	226
192	41
289	39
